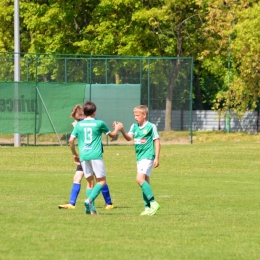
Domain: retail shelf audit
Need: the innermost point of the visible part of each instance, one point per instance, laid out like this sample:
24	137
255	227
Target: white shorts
145	166
94	167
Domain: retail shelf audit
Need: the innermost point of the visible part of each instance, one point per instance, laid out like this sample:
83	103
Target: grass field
208	192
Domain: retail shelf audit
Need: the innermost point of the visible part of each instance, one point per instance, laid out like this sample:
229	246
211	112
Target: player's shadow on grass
115	207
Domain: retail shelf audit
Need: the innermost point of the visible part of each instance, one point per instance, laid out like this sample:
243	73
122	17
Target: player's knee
140	179
78	177
101	181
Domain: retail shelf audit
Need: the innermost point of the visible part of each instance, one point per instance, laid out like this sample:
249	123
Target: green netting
27	109
114	101
45	108
17	107
55	103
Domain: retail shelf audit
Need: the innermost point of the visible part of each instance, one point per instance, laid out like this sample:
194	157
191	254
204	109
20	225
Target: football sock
88	192
95	192
147	190
106	194
146	201
74	193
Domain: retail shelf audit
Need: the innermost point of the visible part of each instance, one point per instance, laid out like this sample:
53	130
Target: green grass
167	137
208	192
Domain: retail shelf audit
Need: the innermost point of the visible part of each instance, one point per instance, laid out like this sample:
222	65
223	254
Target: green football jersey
89	133
143	140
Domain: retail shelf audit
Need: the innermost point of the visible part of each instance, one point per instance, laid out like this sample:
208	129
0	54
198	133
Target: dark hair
89	108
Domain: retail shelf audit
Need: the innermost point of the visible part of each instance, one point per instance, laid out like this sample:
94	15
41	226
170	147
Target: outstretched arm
117	127
157	146
126	135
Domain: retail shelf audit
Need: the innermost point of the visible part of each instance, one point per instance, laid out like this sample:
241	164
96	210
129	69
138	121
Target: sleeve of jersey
105	129
74	132
131	131
155	132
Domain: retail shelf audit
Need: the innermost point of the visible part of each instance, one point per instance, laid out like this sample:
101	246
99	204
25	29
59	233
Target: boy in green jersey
147	149
89	133
78	115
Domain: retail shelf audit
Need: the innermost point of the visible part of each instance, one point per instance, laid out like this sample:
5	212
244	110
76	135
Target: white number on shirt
88	135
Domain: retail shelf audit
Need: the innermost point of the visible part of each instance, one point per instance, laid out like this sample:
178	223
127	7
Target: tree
174	26
245	89
152	28
54	26
231	53
6	25
171	28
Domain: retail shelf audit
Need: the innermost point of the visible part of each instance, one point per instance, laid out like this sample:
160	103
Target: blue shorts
79	168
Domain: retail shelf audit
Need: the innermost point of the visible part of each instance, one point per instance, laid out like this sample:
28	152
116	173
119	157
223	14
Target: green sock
88	192
95	192
146	201
147	190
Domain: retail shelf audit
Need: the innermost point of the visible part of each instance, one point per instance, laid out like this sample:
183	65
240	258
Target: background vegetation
221	36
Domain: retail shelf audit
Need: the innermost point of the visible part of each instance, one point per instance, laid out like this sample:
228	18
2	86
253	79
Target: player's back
89	134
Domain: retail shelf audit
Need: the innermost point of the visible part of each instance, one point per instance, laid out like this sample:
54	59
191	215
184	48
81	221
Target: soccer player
147	149
77	114
89	133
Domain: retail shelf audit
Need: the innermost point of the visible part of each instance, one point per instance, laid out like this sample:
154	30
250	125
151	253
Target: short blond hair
75	109
142	109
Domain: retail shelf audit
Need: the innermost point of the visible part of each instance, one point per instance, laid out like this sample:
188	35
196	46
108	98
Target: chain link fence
51	84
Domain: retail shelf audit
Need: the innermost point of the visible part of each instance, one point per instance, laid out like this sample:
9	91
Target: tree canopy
221	35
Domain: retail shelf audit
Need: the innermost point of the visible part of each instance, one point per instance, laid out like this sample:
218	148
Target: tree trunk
168	109
198	100
117	78
172	77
